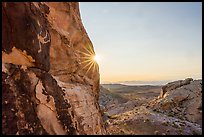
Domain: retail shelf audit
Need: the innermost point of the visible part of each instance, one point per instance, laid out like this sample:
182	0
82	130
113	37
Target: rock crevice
50	82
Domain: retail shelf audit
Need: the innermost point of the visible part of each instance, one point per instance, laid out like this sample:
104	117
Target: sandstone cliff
50	83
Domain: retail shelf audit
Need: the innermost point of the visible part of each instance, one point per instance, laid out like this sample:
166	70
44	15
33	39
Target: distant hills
138	82
120	88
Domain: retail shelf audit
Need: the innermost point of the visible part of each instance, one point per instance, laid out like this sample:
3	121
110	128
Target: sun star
96	58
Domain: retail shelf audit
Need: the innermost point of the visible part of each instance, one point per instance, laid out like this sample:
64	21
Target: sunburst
90	59
97	58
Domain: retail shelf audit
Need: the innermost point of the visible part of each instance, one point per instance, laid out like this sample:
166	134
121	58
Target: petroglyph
42	40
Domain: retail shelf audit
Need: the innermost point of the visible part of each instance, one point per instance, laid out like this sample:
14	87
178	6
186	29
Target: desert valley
173	109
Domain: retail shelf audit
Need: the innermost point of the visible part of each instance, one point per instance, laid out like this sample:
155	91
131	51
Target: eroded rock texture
50	82
181	99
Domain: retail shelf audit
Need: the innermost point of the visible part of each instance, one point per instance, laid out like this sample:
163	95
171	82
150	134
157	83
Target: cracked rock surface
50	84
182	99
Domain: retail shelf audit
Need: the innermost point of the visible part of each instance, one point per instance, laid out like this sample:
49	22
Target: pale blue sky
145	41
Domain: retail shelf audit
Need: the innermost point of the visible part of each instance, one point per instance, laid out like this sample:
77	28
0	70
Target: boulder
182	99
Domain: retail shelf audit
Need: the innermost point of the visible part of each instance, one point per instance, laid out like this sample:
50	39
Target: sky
145	41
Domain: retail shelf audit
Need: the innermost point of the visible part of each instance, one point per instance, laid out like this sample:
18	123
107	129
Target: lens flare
96	58
89	60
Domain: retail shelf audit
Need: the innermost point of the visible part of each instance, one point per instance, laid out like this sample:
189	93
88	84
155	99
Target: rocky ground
173	109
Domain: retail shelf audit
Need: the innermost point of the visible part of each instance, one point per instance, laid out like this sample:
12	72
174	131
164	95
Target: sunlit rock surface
50	84
173	109
182	99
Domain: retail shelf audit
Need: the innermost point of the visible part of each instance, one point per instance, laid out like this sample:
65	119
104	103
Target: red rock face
50	81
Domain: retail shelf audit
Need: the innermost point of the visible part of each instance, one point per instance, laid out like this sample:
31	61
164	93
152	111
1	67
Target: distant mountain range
139	82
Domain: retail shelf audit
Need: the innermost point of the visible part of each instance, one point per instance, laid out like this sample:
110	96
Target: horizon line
143	82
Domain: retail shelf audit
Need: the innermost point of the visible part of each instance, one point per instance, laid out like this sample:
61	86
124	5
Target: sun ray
84	53
89	63
89	67
90	48
85	61
89	59
87	49
94	67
